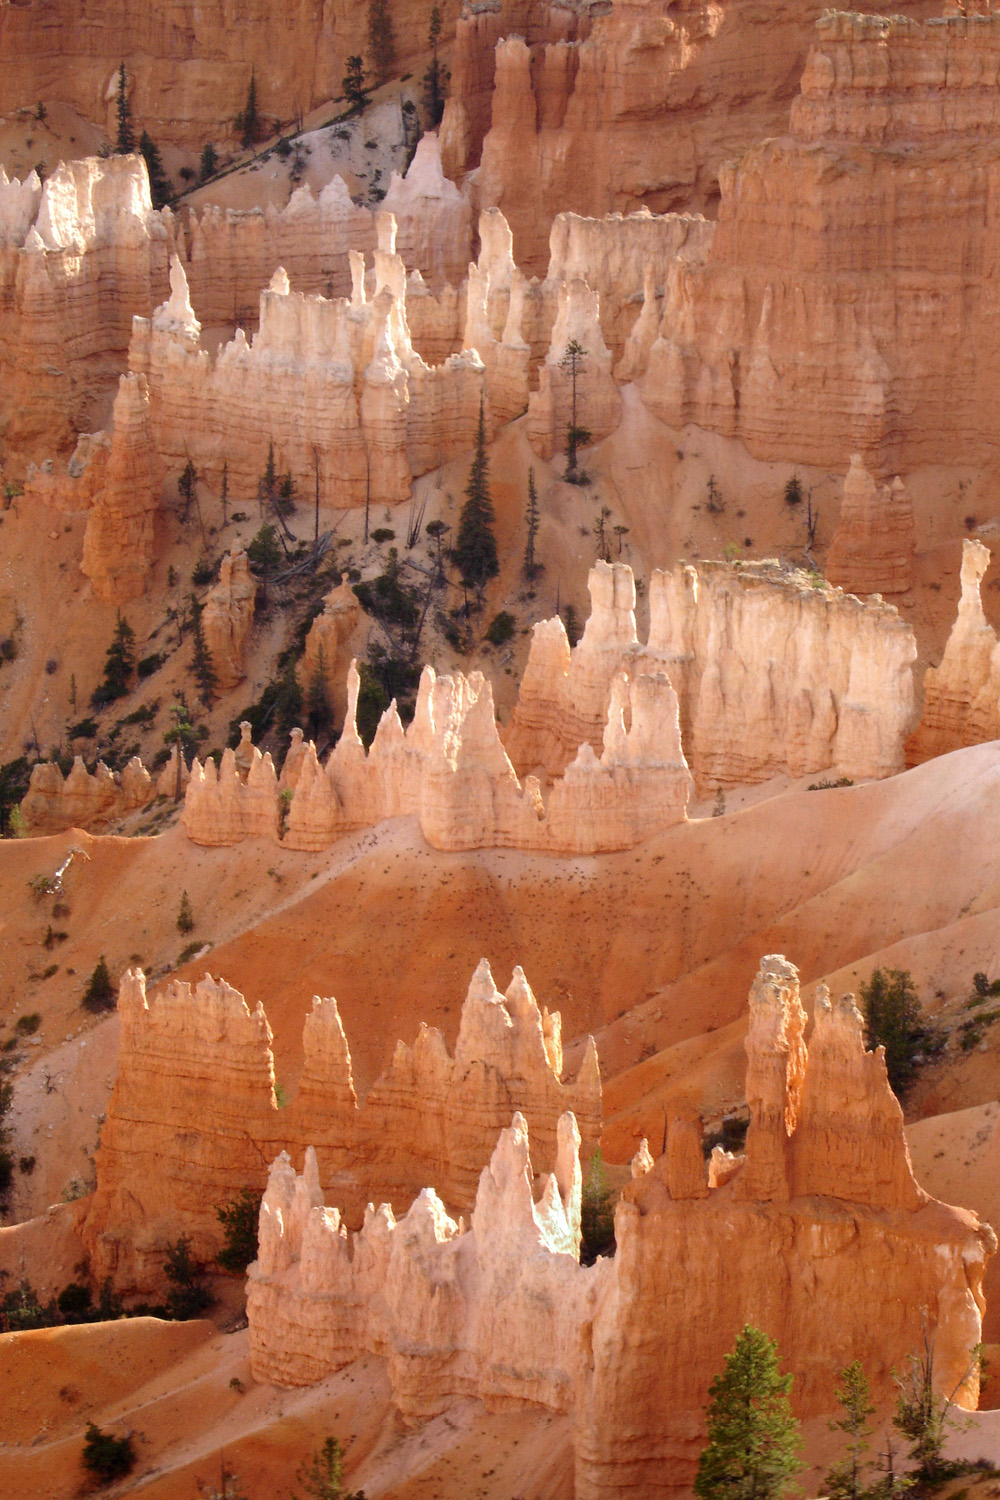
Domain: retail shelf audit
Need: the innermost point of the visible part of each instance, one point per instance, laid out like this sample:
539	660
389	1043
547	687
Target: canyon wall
820	1237
962	694
599	109
79	255
774	672
193	1118
848	306
189	65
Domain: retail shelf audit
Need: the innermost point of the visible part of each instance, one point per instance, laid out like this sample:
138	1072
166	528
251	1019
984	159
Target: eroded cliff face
195	1096
962	694
189	64
872	549
82	799
598	111
771	673
820	1236
846	306
79	256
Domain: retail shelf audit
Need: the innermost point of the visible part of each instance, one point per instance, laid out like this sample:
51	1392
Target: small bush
203	572
75	1302
239	1221
827	786
106	1457
500	629
28	1025
100	992
283	148
86	729
793	491
383	534
186	954
8	649
188	1297
26	1165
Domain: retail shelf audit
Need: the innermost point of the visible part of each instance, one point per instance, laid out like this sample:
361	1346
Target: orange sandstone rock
872	549
227	618
118	542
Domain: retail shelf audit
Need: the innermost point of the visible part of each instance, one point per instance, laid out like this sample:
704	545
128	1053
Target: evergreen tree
184	736
531	568
354	85
159	187
845	1481
893	1020
437	75
125	141
572	362
119	664
186	489
381	39
185	916
476	546
249	122
209	162
100	992
323	1478
224	492
201	661
317	707
753	1439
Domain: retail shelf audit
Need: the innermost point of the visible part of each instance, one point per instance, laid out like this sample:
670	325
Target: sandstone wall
848	305
78	256
771	672
227	618
820	1237
962	694
872	550
81	799
193	1117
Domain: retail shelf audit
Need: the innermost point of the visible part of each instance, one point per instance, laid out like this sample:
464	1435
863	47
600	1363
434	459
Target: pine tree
572	362
753	1439
209	163
476	546
317	706
201	661
381	39
100	992
159	187
354	85
119	663
437	75
892	1015
845	1481
125	141
249	122
224	492
185	916
323	1478
182	735
531	568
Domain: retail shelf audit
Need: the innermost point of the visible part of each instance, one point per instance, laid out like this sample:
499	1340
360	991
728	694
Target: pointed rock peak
482	989
642	1161
177	311
310	1175
357	263
280	284
385	229
589	1075
389	733
349	734
520	1000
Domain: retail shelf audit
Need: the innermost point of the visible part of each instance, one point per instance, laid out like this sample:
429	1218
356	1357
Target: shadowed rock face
872	550
962	695
195	1093
820	1236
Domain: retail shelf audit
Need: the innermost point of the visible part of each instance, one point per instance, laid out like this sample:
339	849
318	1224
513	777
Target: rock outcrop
962	695
575	385
79	255
821	1238
844	303
118	542
227	618
82	799
772	672
323	658
195	1094
873	546
335	386
449	770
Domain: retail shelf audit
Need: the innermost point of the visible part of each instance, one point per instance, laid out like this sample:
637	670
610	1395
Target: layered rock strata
873	546
820	1237
772	674
860	320
962	694
79	255
335	386
449	770
432	1117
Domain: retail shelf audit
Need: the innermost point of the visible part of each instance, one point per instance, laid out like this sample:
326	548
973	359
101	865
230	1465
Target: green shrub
185	916
501	629
100	992
75	1302
26	1165
28	1025
239	1221
86	729
186	954
383	534
204	572
106	1457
